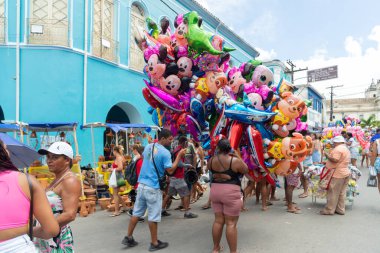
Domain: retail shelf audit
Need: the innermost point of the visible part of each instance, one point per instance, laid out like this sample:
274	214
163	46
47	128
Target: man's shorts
178	185
149	199
377	165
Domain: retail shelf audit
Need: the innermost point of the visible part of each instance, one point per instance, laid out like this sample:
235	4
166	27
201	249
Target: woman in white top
353	145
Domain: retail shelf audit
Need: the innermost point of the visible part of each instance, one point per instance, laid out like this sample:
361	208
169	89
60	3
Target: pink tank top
14	205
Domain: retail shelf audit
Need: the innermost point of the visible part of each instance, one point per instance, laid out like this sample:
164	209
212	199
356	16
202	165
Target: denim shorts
149	199
377	165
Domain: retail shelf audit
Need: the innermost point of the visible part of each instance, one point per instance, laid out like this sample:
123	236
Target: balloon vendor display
191	88
349	124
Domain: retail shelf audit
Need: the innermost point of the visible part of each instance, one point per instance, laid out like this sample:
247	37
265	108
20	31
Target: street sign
322	74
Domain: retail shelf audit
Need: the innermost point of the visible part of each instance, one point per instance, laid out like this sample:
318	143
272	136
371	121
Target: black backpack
130	173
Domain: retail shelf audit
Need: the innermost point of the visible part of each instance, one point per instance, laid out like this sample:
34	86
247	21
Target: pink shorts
226	199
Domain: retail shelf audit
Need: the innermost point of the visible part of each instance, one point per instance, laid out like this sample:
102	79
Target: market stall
117	134
313	173
46	138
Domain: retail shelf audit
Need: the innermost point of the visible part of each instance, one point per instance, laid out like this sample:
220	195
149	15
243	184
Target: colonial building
362	108
316	115
77	61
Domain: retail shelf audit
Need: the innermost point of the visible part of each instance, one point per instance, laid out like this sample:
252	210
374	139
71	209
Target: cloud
355	71
266	55
263	26
375	35
353	47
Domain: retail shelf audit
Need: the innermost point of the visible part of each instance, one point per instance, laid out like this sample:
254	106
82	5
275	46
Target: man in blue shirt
149	196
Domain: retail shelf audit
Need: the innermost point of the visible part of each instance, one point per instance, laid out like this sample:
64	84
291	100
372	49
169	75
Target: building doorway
120	113
1	114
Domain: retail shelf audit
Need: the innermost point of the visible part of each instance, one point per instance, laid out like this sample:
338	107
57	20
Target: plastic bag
113	182
372	171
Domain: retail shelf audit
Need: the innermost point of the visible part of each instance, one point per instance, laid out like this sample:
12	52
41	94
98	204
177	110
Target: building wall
52	78
359	107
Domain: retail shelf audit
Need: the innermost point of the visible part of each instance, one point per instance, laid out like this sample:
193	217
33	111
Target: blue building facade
77	61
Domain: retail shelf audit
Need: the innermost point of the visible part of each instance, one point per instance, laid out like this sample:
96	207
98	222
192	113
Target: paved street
271	231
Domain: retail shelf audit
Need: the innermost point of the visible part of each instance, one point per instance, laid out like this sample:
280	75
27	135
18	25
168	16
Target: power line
331	99
292	71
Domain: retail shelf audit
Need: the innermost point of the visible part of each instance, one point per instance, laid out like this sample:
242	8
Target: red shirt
179	172
138	169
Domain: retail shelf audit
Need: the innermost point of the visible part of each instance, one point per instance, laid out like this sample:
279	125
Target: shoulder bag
161	180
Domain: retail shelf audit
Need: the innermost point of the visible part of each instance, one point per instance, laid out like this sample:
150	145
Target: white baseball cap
339	138
58	148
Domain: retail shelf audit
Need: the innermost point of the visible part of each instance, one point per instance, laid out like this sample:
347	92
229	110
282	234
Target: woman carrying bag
117	179
337	160
23	199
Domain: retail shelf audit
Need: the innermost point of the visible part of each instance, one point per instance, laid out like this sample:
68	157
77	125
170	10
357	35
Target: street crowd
34	220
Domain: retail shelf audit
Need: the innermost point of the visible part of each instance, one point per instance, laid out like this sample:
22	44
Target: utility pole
331	99
292	71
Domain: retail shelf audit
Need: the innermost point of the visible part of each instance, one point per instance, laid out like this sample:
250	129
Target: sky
313	34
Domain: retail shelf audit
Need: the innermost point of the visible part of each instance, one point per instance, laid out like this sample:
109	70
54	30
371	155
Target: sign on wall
322	74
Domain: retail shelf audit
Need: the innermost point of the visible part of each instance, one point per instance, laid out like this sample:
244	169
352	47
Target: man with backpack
156	160
178	184
132	173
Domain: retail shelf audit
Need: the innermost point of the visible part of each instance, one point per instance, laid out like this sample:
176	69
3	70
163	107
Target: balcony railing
48	32
136	60
104	47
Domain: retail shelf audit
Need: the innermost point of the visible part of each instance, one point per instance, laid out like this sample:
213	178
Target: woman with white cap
63	194
338	159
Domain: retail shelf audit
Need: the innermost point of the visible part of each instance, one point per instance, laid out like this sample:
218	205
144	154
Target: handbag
325	178
30	233
372	182
161	180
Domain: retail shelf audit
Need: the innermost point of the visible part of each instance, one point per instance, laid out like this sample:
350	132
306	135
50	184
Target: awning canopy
121	127
53	126
9	127
125	127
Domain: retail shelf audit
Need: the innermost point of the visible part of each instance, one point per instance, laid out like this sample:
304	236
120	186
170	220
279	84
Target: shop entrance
1	114
120	113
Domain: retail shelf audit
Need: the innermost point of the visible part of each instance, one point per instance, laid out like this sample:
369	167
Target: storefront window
48	22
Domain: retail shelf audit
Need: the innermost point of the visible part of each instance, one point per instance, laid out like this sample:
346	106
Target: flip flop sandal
178	208
114	214
206	207
303	196
294	211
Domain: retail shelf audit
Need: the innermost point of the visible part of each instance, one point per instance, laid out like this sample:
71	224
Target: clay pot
89	192
91	198
104	202
83	209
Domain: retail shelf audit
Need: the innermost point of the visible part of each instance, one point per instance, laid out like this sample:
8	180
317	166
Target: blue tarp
52	126
118	127
9	127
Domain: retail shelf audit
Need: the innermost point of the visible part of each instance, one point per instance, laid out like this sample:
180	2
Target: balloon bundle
349	124
192	88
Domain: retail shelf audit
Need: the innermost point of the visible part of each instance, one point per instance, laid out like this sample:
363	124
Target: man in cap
338	158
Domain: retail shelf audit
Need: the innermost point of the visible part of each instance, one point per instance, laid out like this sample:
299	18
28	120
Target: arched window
2	21
136	57
103	43
49	22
